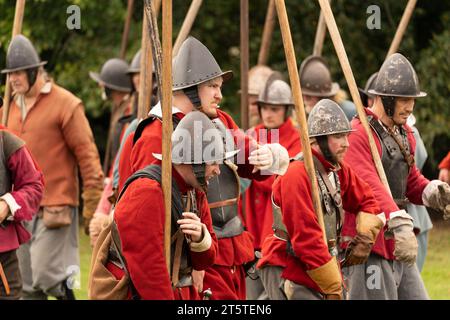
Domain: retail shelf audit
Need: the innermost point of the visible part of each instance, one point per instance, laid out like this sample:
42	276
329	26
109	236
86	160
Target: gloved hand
197	279
328	278
367	226
96	226
400	227
91	197
272	157
436	195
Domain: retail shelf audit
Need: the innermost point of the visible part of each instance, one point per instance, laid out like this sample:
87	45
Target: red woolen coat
360	159
292	193
258	203
140	220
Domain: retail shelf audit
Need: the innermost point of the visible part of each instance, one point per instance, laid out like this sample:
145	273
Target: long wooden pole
187	25
151	12
244	64
320	35
145	84
126	29
300	109
17	29
266	41
167	120
402	27
345	65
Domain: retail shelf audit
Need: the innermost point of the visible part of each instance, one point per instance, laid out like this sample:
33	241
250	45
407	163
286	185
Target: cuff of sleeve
401	214
12	204
280	159
203	245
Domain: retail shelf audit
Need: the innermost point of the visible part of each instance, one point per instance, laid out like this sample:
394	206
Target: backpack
102	284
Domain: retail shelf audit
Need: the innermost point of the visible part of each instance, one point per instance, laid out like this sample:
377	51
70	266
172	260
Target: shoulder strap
144	123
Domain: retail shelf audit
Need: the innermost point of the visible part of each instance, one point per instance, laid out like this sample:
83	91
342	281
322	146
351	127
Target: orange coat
445	163
58	135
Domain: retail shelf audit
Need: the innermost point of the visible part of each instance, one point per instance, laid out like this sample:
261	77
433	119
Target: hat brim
375	93
226	76
24	67
96	77
228	155
334	90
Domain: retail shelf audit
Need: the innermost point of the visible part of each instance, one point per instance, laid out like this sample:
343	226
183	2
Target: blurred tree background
73	53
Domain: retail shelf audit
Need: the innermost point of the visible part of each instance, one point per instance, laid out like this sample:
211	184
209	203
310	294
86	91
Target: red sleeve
245	144
292	193
146	145
445	163
205	259
359	158
28	184
356	194
140	219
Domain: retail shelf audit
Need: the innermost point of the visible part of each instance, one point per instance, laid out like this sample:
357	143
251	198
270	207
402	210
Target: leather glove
91	197
261	158
436	195
96	226
367	226
400	227
328	278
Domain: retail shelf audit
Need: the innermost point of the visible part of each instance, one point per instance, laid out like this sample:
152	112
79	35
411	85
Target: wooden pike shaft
145	85
266	41
320	35
402	27
300	109
187	25
345	65
152	26
244	64
17	29
167	121
126	29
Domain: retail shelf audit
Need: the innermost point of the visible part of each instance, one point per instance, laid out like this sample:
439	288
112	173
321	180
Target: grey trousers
255	288
271	279
48	259
381	279
422	241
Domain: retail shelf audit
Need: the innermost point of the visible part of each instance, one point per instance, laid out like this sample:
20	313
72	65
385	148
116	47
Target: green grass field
436	272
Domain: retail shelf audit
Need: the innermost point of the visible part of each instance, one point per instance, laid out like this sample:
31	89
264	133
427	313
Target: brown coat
58	135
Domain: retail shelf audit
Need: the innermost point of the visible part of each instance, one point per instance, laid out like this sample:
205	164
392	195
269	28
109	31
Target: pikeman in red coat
197	152
274	106
197	82
311	267
393	257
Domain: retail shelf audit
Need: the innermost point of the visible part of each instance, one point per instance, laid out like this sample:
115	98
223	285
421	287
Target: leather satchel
57	216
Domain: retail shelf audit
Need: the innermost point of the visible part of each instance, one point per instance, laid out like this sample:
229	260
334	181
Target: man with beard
394	254
308	266
197	83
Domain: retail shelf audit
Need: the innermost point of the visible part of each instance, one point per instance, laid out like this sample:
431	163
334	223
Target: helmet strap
388	105
32	77
192	94
323	145
200	174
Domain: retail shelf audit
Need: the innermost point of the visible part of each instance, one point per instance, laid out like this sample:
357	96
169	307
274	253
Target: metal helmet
315	78
257	78
21	55
194	64
327	118
364	93
397	78
135	66
114	75
196	140
276	91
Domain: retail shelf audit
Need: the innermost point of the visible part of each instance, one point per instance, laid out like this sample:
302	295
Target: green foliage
73	53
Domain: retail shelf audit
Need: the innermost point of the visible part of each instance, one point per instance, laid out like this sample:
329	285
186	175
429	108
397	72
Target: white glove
98	221
271	157
436	195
